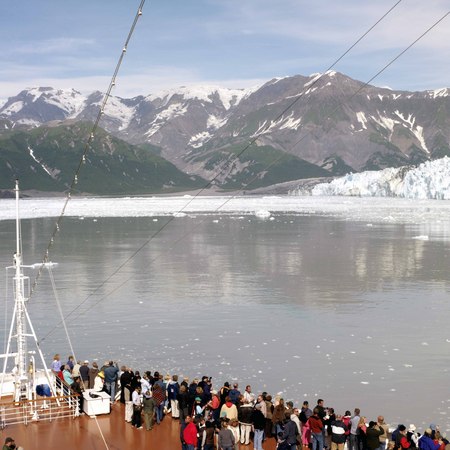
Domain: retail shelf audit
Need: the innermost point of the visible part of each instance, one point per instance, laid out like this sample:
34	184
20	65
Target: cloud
52	46
234	43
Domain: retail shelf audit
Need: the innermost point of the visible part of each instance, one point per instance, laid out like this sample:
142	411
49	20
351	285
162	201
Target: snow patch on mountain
228	97
69	100
52	173
215	122
361	118
13	108
116	109
430	180
199	139
174	110
443	92
289	122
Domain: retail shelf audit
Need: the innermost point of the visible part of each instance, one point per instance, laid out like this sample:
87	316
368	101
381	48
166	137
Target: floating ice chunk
369	224
368	337
179	214
423	237
272	218
425	343
155	220
364	382
408	365
393	390
215	221
296	357
353	352
262	214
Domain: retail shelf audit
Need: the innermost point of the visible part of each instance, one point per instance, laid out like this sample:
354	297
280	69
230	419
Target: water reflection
311	305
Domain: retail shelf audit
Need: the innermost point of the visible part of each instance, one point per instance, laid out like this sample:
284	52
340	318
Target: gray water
308	306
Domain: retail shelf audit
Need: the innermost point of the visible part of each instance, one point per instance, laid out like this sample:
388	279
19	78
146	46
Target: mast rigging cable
87	146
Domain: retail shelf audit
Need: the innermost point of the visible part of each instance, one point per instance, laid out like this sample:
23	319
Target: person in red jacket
190	434
316	425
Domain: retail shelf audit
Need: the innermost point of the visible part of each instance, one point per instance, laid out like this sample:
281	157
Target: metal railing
42	409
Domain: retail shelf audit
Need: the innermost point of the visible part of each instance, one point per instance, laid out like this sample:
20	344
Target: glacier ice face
430	180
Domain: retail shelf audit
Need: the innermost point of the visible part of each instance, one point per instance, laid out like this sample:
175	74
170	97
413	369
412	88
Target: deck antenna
24	367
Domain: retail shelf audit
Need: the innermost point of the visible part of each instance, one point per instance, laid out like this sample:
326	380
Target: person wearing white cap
412	435
84	374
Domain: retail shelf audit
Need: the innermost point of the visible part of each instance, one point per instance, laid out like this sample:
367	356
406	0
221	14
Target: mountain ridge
328	121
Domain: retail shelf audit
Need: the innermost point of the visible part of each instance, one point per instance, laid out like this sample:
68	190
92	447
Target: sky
229	43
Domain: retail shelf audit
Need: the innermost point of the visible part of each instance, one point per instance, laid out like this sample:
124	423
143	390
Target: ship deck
83	433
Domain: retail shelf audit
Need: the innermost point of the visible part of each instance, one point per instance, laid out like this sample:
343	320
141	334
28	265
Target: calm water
310	306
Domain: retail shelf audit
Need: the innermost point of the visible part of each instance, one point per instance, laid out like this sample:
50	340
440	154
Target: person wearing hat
93	372
99	382
84	374
427	443
412	435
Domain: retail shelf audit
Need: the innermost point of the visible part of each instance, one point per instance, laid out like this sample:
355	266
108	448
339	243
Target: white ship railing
42	409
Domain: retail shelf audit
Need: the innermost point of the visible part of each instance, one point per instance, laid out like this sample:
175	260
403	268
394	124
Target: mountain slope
47	157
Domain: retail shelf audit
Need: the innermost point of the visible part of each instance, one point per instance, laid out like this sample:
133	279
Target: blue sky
232	43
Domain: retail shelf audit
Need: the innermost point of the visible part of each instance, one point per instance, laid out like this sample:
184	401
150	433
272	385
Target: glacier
430	180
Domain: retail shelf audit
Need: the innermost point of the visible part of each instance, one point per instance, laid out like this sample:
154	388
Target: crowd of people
228	418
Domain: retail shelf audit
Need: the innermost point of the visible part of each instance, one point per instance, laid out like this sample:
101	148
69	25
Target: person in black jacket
258	422
338	436
183	402
373	434
245	416
290	433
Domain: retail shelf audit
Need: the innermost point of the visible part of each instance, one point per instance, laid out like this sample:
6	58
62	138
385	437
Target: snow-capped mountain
327	124
430	180
37	106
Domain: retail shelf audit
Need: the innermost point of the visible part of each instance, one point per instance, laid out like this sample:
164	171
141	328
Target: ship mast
22	382
24	371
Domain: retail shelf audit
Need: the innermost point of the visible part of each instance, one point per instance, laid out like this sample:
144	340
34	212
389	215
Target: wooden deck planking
83	433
